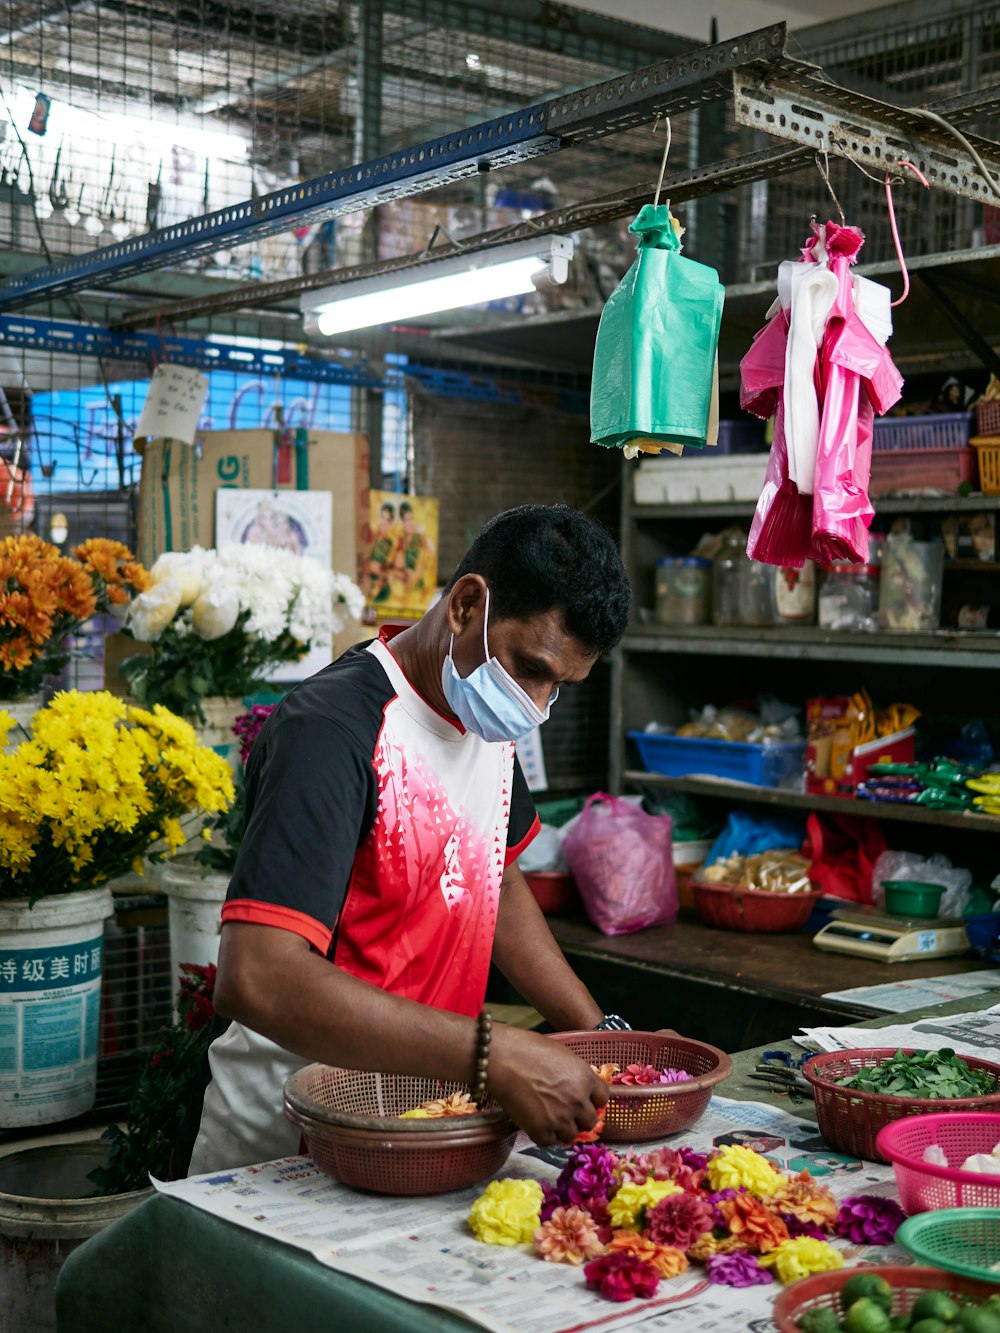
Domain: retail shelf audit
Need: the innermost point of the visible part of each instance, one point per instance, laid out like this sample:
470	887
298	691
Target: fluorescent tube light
444	284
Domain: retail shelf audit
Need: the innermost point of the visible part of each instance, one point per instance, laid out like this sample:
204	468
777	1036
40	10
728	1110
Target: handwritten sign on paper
173	404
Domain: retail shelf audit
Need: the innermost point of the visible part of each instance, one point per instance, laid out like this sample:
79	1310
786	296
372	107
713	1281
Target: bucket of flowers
217	621
99	786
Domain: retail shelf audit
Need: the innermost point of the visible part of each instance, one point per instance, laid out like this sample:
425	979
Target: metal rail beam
667	88
874	135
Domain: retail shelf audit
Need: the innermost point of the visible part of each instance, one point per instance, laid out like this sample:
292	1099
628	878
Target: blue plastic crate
778	765
941	430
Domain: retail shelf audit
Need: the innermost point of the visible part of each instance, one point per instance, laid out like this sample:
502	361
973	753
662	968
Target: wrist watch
613	1023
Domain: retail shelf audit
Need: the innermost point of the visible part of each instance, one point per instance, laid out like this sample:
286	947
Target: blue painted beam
667	88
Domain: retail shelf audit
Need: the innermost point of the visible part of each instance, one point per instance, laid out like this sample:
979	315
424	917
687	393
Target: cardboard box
178	485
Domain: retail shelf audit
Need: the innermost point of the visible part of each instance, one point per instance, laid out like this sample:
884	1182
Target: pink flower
589	1172
634	1168
796	1227
868	1219
620	1276
648	1075
666	1164
568	1237
679	1220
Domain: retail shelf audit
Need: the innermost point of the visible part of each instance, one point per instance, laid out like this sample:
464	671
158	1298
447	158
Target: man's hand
548	1091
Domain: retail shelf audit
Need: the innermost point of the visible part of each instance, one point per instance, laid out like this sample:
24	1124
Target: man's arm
528	956
274	983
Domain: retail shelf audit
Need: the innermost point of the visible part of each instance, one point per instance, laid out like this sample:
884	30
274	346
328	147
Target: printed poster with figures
296	521
402	568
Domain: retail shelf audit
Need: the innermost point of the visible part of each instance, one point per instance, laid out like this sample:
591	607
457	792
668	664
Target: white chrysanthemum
216	611
152	611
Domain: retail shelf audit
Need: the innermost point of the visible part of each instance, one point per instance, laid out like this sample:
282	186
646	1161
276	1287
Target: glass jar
911	584
848	599
795	594
726	579
683	590
756	589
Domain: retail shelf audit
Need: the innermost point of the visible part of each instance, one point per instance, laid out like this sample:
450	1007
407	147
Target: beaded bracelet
484	1035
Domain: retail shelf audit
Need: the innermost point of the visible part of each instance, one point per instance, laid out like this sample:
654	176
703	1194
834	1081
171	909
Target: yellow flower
632	1200
507	1212
734	1166
418	1113
800	1257
6	722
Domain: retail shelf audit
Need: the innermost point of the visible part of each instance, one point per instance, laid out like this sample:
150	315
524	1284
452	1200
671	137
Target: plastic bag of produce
622	861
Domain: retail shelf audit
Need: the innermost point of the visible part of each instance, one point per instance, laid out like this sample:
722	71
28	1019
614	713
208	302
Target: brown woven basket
642	1114
850	1119
349	1120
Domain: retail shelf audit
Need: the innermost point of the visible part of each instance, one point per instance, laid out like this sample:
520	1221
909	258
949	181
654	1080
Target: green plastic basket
960	1240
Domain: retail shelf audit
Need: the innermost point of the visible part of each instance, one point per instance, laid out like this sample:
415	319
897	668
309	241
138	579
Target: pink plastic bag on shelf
622	861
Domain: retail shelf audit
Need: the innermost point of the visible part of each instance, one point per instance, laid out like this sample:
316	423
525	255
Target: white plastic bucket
216	731
195	913
51	965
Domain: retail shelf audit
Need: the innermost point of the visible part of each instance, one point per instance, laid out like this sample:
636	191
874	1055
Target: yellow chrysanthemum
632	1200
800	1257
734	1166
507	1212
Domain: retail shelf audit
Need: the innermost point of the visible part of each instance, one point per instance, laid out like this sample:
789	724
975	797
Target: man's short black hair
539	557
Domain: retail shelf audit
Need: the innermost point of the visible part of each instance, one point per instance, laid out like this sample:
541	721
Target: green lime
973	1320
818	1321
867	1284
934	1305
929	1326
899	1323
866	1316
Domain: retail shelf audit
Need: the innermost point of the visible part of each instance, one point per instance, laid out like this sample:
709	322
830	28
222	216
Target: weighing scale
866	933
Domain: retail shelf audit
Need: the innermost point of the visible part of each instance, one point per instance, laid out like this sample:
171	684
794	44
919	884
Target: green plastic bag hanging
657	345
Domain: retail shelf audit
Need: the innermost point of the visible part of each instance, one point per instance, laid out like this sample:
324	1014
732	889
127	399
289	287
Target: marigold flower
568	1237
631	1201
705	1246
735	1165
805	1198
666	1259
679	1220
619	1277
798	1258
748	1219
506	1213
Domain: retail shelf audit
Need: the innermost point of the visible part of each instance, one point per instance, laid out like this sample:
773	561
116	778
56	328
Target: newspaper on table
897	997
422	1250
976	1034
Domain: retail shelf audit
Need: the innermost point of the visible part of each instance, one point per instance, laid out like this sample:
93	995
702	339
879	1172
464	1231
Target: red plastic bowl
553	890
850	1119
751	909
822	1291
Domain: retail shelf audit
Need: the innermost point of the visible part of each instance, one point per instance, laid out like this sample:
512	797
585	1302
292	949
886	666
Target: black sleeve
524	823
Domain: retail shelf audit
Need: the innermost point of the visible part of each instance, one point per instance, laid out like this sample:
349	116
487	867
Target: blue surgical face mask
488	701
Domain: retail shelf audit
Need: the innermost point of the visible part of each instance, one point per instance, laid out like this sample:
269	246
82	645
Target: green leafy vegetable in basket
930	1074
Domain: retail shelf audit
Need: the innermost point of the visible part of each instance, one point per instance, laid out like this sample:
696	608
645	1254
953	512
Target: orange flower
805	1198
668	1261
456	1103
751	1222
113	569
44	597
568	1237
705	1246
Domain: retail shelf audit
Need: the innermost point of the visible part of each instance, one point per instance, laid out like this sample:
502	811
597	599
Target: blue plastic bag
745	835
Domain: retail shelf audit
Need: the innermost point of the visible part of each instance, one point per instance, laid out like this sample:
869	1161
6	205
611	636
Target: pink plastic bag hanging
622	861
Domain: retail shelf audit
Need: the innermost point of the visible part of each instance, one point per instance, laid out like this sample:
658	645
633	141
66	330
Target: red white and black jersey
377	829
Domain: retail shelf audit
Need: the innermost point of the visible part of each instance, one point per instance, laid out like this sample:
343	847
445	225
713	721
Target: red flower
620	1276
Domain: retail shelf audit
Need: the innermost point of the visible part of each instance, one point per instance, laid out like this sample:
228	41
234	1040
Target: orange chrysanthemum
114	570
666	1259
806	1199
751	1222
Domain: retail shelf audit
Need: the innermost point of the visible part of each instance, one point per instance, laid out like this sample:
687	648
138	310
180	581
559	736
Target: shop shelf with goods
664	673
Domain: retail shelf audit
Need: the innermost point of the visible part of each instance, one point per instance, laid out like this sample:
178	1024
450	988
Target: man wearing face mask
377	878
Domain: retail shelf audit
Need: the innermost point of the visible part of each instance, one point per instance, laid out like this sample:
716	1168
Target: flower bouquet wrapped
99	784
45	597
217	620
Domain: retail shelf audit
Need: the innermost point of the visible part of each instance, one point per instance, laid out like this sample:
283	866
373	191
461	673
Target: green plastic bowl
959	1240
912	897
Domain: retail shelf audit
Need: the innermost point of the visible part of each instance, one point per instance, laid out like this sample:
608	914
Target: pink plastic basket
924	1186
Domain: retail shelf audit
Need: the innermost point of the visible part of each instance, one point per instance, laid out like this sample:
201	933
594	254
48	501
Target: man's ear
467	604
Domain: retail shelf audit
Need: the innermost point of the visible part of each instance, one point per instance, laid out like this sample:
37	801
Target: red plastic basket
903	471
751	909
850	1120
988	418
923	1185
642	1114
349	1120
822	1291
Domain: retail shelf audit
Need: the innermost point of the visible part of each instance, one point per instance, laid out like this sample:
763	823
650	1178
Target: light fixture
440	284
